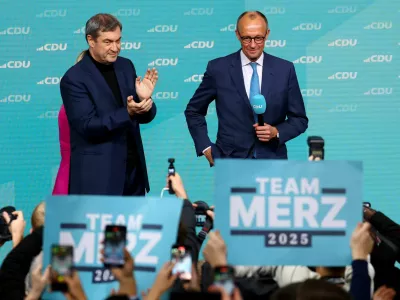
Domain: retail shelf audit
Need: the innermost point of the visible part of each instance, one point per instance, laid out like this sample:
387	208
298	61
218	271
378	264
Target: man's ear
31	230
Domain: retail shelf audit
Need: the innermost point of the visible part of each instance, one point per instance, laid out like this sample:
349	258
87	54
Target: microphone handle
260	120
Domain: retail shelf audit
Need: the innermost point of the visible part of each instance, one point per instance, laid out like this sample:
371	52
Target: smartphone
316	147
224	277
114	245
61	265
182	257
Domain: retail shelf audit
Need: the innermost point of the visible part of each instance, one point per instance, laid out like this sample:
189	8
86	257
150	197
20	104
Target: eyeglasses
247	39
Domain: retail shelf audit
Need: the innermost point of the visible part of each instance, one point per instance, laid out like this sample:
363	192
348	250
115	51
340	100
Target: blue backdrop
346	55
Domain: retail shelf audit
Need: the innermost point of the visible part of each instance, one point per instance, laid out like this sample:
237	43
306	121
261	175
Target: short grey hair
101	23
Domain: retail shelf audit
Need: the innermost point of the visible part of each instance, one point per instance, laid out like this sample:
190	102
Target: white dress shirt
247	73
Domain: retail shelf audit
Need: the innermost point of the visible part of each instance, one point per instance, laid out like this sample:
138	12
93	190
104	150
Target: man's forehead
112	35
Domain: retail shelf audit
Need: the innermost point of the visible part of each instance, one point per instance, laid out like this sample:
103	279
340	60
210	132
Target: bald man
234	79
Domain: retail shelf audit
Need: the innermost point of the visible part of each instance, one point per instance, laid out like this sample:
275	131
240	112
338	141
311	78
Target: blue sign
288	212
152	226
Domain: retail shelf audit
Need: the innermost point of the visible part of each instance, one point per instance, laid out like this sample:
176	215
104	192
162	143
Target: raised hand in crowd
39	282
215	251
75	289
361	241
16	226
177	185
164	281
384	293
125	276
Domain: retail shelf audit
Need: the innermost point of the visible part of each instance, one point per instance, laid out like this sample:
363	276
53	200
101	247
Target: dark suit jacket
98	128
236	138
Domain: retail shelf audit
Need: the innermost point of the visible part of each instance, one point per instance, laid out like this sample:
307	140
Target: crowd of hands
215	253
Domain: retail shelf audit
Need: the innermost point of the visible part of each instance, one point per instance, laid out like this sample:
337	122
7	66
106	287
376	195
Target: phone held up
182	257
61	266
224	277
114	245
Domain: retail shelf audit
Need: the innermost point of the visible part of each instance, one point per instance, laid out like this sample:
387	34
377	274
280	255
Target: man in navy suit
105	102
230	81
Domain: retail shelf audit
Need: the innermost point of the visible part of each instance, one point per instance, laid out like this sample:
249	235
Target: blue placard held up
288	212
152	226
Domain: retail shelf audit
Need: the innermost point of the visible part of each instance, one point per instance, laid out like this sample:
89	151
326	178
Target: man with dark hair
105	102
234	79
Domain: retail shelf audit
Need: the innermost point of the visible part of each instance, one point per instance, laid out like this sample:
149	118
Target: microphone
259	106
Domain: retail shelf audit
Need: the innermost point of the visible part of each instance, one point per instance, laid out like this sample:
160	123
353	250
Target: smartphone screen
61	266
171	171
114	245
181	256
224	277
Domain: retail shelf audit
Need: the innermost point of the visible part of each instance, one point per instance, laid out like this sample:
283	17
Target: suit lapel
267	77
103	85
236	73
120	79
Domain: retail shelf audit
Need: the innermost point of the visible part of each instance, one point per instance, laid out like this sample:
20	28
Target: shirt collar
245	61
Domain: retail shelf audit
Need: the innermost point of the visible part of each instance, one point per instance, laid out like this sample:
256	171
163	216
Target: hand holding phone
224	277
114	245
61	266
181	256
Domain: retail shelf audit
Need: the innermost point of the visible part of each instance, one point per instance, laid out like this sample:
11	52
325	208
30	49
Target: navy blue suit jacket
98	127
236	138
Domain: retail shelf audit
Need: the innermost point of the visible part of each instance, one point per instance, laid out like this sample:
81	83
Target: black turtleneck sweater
109	75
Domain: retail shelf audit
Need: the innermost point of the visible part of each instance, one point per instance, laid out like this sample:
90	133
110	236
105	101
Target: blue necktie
254	90
255	82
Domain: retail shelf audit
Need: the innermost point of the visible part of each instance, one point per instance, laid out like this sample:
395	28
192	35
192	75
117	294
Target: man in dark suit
105	102
231	81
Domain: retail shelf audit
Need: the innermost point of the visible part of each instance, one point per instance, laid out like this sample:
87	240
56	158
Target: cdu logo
343	9
344	108
16	99
200	45
166	95
194	78
379	25
53	47
164	62
164	28
308	27
311	92
343	43
53	13
343	76
131	46
16	31
199	12
50	114
49	81
80	30
308	60
127	12
275	43
378	58
230	28
379	91
273	10
16	64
